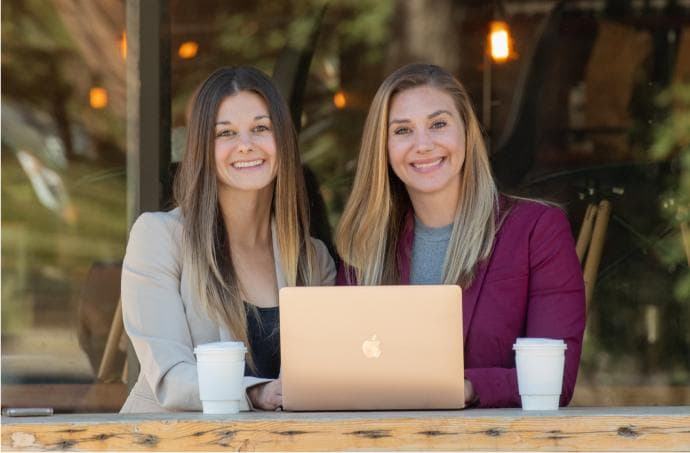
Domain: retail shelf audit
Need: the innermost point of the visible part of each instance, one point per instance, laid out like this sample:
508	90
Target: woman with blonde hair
210	269
424	209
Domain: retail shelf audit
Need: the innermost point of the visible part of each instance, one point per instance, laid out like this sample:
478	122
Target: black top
264	338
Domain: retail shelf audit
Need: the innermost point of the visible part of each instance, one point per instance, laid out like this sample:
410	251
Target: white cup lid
221	346
539	343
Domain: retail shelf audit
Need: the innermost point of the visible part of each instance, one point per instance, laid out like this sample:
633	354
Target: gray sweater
428	252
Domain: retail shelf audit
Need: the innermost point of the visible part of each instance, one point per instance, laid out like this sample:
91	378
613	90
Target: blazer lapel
470	296
277	257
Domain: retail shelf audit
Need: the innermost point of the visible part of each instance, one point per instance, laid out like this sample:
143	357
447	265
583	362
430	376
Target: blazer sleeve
325	262
154	314
555	309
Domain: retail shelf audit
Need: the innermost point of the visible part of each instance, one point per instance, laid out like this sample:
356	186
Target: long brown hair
371	225
205	243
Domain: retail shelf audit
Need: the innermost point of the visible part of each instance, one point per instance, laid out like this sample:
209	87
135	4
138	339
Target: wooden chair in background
100	328
682	217
590	242
111	368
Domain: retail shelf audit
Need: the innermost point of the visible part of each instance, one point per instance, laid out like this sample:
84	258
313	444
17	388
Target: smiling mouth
428	164
248	164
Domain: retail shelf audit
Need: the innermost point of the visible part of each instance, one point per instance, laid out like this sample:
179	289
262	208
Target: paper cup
220	367
539	363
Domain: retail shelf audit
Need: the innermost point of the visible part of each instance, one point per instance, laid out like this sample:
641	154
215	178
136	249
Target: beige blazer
164	321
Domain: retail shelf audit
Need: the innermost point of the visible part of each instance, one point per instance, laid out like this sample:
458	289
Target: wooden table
570	429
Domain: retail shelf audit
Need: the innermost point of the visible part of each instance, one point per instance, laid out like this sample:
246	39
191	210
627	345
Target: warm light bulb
98	97
188	50
122	44
339	100
499	45
500	42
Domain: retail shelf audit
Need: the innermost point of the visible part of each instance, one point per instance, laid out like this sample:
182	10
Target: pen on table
27	411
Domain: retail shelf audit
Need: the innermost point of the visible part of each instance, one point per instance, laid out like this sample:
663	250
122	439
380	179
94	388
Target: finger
276	401
275	396
269	405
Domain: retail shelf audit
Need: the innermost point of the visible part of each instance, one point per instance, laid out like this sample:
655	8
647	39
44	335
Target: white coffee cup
539	363
220	367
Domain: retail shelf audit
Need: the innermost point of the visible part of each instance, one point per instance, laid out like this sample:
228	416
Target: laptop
371	348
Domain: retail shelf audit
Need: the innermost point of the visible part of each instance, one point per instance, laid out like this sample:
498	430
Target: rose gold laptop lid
371	347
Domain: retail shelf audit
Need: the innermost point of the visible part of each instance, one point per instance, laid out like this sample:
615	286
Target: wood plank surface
91	398
571	429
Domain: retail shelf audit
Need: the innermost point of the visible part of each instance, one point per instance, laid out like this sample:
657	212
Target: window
63	199
588	107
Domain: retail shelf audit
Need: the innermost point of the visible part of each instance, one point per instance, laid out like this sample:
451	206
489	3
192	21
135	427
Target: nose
424	142
244	144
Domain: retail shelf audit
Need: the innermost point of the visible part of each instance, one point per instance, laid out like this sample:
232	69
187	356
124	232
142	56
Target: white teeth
428	164
252	163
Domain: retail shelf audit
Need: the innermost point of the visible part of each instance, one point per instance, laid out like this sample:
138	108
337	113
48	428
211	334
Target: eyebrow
432	115
258	117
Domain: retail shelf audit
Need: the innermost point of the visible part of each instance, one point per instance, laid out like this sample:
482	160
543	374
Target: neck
435	210
247	217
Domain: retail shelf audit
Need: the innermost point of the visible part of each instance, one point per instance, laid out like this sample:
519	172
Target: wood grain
592	429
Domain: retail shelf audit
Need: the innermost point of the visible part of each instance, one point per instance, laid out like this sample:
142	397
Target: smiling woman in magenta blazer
424	209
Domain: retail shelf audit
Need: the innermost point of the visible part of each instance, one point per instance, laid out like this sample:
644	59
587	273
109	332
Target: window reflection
63	196
591	106
573	116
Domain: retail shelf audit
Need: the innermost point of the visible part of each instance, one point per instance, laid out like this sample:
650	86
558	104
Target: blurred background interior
586	103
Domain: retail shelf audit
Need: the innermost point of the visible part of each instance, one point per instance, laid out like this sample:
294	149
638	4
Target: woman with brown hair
424	209
210	269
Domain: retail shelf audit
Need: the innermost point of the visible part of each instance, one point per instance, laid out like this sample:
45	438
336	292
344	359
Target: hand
469	392
267	396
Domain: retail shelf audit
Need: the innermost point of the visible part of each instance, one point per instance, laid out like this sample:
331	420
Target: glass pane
63	199
581	111
578	113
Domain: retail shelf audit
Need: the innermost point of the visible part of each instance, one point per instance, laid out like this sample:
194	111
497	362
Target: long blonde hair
205	245
371	225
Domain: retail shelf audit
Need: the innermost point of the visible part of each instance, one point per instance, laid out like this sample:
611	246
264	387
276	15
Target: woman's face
245	147
426	142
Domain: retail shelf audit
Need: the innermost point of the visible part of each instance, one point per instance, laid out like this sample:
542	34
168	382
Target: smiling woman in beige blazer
210	270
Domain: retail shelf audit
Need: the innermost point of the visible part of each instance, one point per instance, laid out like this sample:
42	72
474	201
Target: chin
427	189
254	187
248	186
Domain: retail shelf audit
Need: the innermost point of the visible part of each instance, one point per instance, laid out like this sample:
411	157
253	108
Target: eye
439	124
224	133
402	130
262	128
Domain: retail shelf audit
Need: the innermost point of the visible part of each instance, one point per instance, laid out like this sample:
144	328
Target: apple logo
371	348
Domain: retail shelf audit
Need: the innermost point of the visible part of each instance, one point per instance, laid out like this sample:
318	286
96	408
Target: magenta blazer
530	286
